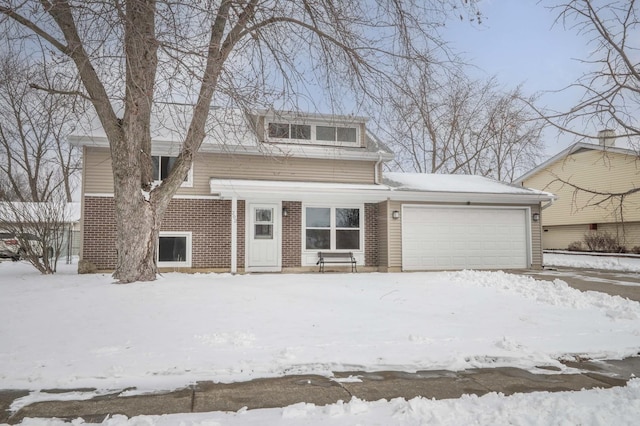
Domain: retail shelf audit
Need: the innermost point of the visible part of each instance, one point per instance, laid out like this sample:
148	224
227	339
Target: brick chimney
607	137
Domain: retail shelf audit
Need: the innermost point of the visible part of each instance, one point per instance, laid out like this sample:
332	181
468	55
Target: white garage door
463	238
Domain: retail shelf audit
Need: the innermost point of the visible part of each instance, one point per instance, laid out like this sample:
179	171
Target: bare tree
444	122
611	82
610	88
238	50
36	160
39	228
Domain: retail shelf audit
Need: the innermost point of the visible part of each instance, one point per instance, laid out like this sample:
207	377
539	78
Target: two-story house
269	190
584	176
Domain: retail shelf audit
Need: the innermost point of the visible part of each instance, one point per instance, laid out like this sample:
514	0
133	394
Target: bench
324	257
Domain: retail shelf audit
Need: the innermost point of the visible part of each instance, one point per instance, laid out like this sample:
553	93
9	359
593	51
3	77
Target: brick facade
208	220
292	234
371	235
99	232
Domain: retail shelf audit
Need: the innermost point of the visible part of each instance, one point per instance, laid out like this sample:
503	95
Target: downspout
376	168
548	204
234	234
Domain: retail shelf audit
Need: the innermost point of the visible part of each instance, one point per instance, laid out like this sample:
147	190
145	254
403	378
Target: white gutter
549	204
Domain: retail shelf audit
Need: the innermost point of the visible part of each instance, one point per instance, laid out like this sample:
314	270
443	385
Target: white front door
263	242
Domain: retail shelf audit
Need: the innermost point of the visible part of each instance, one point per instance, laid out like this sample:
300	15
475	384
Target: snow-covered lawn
67	331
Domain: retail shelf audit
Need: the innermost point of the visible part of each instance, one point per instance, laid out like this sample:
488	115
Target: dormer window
289	131
336	134
312	133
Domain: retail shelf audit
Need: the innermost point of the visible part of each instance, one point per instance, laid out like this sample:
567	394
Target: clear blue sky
519	43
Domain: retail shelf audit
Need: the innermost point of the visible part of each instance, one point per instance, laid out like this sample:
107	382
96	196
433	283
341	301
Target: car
11	248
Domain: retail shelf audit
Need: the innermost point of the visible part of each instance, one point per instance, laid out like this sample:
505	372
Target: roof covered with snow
229	130
454	183
12	212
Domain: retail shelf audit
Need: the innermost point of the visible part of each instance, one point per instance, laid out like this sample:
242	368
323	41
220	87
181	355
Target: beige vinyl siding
594	170
383	236
97	174
536	239
98	177
395	236
559	237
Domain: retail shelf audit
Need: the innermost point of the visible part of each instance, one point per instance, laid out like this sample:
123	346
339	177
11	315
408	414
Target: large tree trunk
137	231
136	240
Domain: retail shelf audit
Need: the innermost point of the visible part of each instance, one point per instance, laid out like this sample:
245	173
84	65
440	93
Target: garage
465	237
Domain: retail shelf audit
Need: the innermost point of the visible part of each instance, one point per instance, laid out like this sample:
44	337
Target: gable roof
575	148
230	131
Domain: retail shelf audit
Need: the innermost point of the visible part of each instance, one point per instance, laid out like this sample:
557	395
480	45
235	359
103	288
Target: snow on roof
453	183
31	211
169	123
227	130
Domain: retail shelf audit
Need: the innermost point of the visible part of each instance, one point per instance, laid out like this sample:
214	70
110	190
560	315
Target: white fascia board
298	191
320	117
365	193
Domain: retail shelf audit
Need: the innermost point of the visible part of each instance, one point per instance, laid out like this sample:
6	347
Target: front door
264	238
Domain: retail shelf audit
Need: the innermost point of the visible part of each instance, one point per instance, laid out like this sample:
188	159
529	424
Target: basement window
174	249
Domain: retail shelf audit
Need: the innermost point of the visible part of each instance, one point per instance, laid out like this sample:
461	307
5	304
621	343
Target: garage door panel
458	238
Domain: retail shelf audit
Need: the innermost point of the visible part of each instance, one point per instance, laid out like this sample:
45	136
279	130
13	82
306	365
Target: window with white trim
308	133
174	249
162	165
333	228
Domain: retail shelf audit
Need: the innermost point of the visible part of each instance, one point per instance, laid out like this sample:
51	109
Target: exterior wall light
285	212
536	217
395	214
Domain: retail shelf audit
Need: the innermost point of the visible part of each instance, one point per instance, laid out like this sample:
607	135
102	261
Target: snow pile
619	406
72	331
593	261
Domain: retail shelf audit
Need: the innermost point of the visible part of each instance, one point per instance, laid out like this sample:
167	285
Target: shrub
575	246
635	250
602	241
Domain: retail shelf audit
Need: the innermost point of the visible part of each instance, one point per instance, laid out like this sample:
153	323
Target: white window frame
313	140
182	264
188	183
332	227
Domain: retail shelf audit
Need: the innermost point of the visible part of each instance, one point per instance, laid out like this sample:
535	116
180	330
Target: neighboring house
268	191
41	218
599	168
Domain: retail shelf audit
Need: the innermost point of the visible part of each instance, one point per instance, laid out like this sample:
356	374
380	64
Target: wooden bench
325	257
